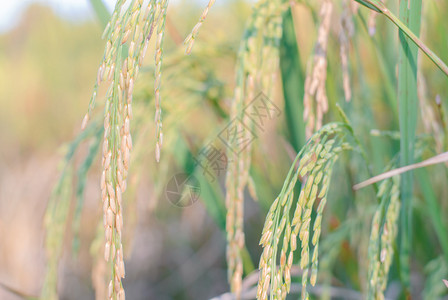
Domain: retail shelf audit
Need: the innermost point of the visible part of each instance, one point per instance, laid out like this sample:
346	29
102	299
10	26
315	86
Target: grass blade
406	29
292	81
410	13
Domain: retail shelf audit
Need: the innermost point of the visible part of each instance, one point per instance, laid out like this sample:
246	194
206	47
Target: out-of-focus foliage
46	66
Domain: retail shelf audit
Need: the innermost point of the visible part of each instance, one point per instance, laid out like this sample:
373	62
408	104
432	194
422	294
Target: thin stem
381	8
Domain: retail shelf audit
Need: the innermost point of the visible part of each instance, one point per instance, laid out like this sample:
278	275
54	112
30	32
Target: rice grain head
130	28
189	41
382	237
315	164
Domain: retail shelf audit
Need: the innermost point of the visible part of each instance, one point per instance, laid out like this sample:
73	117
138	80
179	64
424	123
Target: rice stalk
315	164
379	7
315	100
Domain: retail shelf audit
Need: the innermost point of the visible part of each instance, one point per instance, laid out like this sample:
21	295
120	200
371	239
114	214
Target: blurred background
49	56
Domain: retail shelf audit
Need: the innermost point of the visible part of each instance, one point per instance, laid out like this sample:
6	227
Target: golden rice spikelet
131	26
315	162
189	41
382	237
158	74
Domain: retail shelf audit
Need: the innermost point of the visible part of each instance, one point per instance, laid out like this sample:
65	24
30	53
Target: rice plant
322	236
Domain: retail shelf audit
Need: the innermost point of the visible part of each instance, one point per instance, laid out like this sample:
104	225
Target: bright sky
12	10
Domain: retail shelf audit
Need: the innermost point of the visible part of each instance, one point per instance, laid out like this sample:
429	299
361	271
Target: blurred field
47	71
47	66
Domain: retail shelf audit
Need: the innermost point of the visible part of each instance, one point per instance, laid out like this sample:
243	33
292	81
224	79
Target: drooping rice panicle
107	56
189	41
128	34
347	28
315	163
382	237
315	99
158	74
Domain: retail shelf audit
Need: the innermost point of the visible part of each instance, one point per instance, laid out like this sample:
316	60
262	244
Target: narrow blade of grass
82	179
410	13
293	82
438	159
405	28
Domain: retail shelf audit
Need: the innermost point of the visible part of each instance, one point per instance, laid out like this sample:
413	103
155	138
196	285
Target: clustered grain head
158	74
131	29
128	34
382	237
315	164
315	98
189	41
